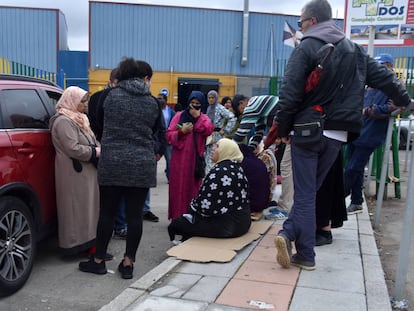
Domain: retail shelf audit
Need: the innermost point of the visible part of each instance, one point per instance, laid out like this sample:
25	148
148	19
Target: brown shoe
284	250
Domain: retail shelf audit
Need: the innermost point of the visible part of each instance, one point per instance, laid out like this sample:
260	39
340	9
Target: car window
50	99
23	109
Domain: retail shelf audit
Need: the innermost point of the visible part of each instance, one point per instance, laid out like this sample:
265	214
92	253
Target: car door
26	121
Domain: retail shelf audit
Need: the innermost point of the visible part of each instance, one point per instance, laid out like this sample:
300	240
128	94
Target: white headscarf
228	150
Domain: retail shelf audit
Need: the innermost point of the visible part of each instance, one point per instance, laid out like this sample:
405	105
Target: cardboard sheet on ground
199	249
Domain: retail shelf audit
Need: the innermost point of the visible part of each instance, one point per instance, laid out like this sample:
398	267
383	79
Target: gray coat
131	117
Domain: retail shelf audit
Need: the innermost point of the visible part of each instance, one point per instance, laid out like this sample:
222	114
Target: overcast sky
76	11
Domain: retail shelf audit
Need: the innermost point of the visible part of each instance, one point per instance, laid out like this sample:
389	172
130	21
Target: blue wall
191	39
31	36
184	39
75	65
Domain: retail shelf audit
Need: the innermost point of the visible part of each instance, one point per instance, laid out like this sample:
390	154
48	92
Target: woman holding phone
187	134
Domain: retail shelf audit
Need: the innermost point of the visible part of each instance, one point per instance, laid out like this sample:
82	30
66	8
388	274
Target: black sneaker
354	209
120	234
108	256
298	261
126	271
150	217
323	238
284	250
92	267
272	203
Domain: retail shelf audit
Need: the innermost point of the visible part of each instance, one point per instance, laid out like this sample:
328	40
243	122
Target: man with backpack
322	115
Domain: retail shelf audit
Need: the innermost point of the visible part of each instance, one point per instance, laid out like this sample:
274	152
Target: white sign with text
393	21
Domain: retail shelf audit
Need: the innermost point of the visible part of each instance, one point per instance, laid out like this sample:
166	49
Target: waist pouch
308	126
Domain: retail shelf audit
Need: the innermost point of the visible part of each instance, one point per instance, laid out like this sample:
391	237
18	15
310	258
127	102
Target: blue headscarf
186	115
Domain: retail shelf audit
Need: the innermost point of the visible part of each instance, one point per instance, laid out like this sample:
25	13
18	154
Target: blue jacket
375	123
171	114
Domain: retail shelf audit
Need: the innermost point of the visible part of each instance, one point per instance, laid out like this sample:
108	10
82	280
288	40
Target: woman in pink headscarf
77	152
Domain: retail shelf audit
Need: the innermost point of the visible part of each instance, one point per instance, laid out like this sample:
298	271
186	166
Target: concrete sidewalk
348	276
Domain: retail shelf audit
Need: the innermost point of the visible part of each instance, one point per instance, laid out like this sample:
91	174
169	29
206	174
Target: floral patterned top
224	190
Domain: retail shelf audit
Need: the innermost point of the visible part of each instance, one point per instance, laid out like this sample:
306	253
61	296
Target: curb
141	286
376	290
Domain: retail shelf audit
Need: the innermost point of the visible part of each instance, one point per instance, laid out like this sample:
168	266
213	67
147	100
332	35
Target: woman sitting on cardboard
221	209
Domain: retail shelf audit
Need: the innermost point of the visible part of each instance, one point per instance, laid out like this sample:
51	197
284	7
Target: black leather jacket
345	79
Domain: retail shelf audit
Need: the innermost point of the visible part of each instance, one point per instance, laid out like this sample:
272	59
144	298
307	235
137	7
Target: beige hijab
68	106
228	150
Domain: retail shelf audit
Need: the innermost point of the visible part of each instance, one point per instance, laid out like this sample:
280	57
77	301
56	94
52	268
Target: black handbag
308	126
77	165
200	162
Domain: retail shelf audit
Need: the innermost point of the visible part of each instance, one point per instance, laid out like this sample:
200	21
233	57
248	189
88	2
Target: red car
27	185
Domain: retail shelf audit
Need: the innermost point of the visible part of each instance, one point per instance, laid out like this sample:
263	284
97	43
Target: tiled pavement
349	276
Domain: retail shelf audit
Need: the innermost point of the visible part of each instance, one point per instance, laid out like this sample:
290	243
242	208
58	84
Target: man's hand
392	106
286	140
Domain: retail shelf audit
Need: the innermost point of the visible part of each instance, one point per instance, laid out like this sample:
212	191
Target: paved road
57	284
388	234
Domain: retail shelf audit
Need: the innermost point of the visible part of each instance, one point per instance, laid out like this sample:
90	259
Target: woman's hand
187	127
98	151
195	112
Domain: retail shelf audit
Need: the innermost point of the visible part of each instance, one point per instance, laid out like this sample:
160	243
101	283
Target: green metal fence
404	68
9	67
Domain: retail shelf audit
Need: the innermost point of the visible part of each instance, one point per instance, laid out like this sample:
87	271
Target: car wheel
403	138
17	244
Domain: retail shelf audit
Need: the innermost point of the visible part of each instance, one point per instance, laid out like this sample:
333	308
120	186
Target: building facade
239	50
32	36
